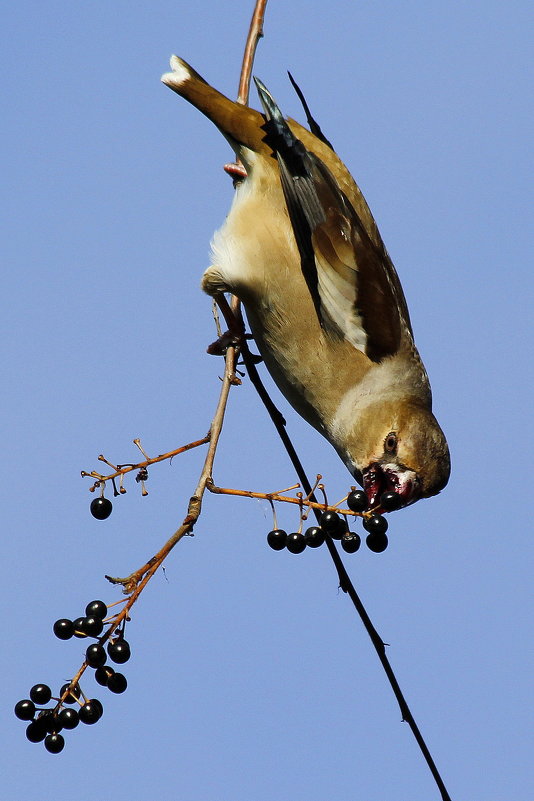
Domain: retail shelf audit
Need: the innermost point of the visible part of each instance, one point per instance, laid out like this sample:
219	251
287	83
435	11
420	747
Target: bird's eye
390	443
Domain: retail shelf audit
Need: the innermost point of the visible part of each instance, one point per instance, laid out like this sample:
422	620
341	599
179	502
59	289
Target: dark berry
69	718
375	524
64	628
78	627
73	695
350	541
103	675
92	626
25	709
377	542
54	743
95	655
296	542
36	731
51	721
101	508
91	711
389	501
96	609
117	683
119	651
314	536
40	694
277	539
357	501
330	522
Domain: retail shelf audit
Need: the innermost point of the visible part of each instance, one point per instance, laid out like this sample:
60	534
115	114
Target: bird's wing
353	283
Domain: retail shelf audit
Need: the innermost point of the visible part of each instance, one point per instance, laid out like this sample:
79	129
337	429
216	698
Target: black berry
64	628
350	541
78	627
51	721
73	695
101	508
117	683
389	501
375	524
377	542
25	709
69	718
314	536
36	731
332	524
96	609
103	675
296	542
40	694
92	626
54	743
119	651
95	655
91	711
357	501
277	539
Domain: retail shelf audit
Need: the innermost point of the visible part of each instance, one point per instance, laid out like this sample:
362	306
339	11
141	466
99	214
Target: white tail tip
179	75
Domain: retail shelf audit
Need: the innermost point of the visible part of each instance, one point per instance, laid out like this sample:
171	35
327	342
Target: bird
302	252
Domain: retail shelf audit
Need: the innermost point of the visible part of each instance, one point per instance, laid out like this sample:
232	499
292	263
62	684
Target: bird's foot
236	171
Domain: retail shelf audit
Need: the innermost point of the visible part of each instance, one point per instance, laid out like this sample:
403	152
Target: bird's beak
379	478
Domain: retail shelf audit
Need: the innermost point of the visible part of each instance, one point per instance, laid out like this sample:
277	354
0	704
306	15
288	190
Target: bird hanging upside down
302	252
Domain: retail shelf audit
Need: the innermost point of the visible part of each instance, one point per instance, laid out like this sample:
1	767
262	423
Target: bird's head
401	450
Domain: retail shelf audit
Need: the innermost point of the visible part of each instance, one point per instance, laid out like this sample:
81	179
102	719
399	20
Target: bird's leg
236	328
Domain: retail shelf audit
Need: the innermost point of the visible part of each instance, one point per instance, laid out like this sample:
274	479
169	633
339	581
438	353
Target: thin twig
135	582
279	498
255	33
121	470
344	580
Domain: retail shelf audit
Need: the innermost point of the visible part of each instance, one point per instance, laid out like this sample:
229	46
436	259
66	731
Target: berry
73	695
350	541
377	542
64	628
119	651
389	501
314	536
277	539
91	711
101	508
78	627
36	731
54	743
103	675
92	626
375	524
117	683
357	501
95	655
332	524
296	542
25	709
69	718
96	609
40	694
51	721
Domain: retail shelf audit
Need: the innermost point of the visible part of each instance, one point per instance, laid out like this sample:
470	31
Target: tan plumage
302	251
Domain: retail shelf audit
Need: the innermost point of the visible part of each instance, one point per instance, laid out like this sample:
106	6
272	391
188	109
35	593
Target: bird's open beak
379	478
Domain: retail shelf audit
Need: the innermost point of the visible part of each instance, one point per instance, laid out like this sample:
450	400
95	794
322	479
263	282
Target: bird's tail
240	124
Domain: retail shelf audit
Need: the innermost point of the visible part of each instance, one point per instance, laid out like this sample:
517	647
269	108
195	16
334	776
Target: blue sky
251	677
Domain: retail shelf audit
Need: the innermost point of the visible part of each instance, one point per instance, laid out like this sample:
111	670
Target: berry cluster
47	723
332	525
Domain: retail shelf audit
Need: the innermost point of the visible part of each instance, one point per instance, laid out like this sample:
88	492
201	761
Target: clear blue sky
251	677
